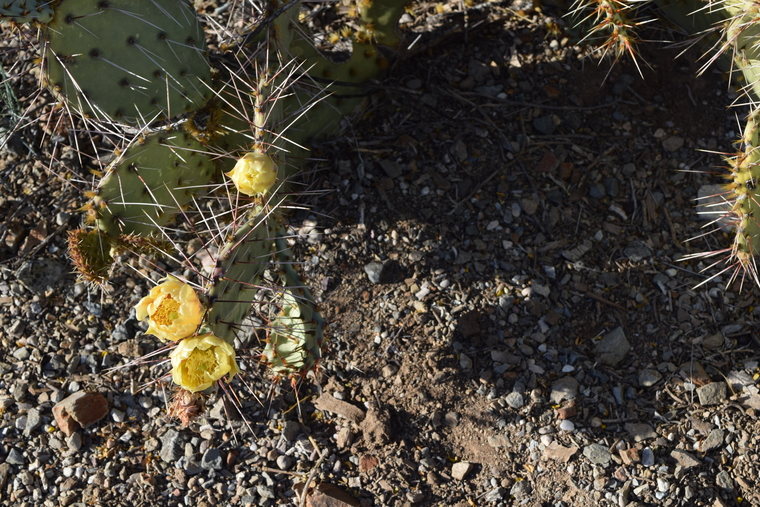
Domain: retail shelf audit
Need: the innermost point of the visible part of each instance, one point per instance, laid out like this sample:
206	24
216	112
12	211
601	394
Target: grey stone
647	457
640	431
32	421
672	143
611	349
374	270
212	459
40	274
649	377
74	442
545	124
637	251
684	459
15	457
564	388
460	470
290	430
723	480
713	441
521	489
172	446
284	462
515	400
21	353
5	470
712	394
597	454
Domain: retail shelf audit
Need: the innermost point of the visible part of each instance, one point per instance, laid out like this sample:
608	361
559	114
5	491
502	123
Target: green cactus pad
90	252
295	339
26	11
380	19
146	185
128	61
745	178
242	261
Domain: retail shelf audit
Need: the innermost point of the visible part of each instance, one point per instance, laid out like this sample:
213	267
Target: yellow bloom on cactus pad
172	309
200	361
254	173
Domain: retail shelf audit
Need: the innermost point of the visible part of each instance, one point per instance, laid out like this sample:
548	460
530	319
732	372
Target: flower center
200	365
166	311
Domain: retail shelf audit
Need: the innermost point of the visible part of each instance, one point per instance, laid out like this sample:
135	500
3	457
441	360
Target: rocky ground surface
496	254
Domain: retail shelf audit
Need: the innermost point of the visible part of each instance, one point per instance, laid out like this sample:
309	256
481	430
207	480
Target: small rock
713	440
672	143
684	459
611	349
5	470
81	409
649	377
212	459
559	452
567	425
564	388
32	421
290	430
15	457
515	400
374	270
723	480
640	431
647	457
330	403
344	438
712	394
521	489
172	446
74	442
630	455
460	470
465	362
597	454
329	495
284	462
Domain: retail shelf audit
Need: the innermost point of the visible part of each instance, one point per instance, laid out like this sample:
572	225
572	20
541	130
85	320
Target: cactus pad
241	262
128	61
295	338
90	252
145	186
26	11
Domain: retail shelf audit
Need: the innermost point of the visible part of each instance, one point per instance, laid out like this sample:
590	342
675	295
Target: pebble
640	431
649	377
712	394
373	271
15	457
713	440
74	442
672	143
515	400
611	349
291	430
212	459
564	388
32	421
684	459
460	470
284	462
172	446
567	425
647	457
723	480
597	454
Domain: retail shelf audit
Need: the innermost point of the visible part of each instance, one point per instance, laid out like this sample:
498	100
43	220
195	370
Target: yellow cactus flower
172	309
200	361
254	173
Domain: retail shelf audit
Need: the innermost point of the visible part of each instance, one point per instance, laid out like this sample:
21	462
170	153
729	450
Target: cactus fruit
90	251
150	181
128	61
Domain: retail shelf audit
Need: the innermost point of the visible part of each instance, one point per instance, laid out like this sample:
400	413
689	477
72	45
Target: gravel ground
496	254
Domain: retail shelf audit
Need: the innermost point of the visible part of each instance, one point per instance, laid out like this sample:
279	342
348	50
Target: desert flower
172	309
254	173
200	361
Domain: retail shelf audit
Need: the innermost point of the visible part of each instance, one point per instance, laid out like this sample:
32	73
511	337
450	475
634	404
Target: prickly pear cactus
26	11
295	336
147	185
128	61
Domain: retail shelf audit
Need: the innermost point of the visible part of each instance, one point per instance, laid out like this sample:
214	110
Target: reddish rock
328	495
367	462
630	456
344	409
79	411
567	411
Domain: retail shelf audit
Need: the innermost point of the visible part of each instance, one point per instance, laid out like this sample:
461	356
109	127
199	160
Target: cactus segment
380	19
744	34
145	187
241	263
295	339
745	178
90	252
128	61
26	11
